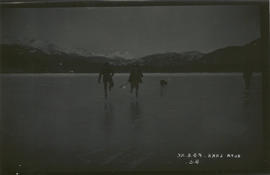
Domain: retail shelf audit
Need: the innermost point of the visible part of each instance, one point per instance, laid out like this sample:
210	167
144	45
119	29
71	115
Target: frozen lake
61	122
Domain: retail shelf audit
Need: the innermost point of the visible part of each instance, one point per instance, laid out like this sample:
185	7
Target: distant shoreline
125	74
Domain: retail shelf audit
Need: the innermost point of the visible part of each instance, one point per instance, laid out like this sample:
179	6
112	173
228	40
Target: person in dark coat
250	62
106	73
248	69
135	78
247	74
163	84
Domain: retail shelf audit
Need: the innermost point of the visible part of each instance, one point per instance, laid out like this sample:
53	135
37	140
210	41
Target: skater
163	84
250	62
106	73
135	78
247	71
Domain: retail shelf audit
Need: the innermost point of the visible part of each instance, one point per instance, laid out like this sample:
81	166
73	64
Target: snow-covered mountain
53	49
36	45
40	56
120	54
45	46
171	58
192	55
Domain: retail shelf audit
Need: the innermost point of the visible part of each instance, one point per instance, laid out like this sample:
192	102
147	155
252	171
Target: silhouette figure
135	78
250	62
247	71
106	73
163	84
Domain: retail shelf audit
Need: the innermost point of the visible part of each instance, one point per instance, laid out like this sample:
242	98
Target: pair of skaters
135	78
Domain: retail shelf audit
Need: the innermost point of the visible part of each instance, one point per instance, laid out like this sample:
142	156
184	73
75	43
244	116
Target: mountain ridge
24	58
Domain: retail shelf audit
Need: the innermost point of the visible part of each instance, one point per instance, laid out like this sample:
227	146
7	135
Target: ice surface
61	122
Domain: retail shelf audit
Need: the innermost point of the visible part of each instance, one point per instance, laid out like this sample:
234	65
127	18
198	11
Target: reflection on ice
135	110
108	120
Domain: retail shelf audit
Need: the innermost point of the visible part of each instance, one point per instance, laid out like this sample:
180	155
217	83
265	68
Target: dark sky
137	30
